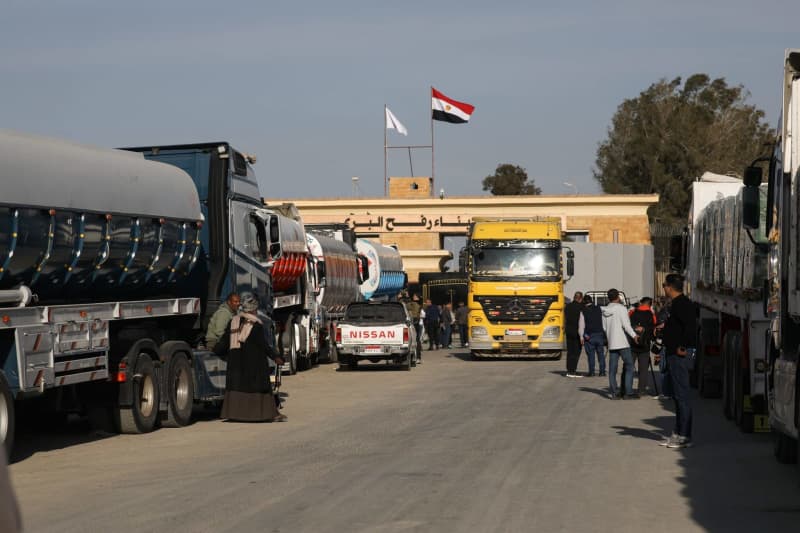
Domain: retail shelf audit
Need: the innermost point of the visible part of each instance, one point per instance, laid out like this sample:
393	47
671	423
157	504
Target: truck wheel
407	363
475	355
784	448
333	353
180	388
292	353
7	418
142	415
727	382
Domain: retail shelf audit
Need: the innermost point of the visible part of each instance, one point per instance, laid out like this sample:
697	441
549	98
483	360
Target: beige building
417	222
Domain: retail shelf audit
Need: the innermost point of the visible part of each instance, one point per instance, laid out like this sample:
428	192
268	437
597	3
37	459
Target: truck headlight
479	331
551	332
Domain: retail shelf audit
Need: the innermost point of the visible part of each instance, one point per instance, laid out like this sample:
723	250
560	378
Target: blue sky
302	84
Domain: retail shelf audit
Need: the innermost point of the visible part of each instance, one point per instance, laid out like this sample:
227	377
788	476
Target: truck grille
515	309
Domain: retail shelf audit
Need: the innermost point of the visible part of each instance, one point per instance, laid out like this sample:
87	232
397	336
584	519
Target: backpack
643	318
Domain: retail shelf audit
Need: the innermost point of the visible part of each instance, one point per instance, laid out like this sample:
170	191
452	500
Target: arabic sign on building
407	224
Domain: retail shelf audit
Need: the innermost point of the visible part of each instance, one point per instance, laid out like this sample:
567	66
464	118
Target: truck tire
7	416
727	381
180	392
407	363
784	448
332	352
303	359
142	415
292	355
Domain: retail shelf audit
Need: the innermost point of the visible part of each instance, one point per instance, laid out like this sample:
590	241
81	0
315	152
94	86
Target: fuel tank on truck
386	275
85	223
292	263
340	272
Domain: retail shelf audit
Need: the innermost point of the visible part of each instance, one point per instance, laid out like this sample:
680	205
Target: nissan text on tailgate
376	331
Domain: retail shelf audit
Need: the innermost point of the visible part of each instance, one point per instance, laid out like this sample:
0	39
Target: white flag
393	124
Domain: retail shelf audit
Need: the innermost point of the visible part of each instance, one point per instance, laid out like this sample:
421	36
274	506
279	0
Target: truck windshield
530	263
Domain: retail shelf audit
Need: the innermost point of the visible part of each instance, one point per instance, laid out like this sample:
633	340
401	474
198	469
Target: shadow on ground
731	480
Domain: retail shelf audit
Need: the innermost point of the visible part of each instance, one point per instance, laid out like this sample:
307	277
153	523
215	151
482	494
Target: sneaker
602	373
666	440
590	375
680	442
572	375
633	396
280	418
614	397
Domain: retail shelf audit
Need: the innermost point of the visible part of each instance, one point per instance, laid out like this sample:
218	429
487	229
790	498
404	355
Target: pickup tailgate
373	339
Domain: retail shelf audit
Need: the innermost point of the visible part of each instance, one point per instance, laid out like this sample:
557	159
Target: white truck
778	355
725	273
376	331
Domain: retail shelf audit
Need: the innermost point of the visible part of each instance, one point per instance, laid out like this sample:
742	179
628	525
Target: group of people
632	335
439	322
236	333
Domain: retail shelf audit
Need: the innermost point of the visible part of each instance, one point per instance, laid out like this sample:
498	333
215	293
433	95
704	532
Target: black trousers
643	364
573	352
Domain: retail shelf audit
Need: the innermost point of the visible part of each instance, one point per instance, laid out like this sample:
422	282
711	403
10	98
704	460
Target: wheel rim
3	419
147	396
181	388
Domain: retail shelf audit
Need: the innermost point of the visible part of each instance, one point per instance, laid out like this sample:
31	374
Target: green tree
660	141
510	180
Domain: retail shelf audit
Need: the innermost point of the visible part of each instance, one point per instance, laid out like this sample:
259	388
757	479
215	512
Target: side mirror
363	269
274	229
275	251
570	263
751	214
753	176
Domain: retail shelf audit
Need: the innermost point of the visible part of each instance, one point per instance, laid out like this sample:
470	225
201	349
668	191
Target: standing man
220	320
616	324
432	319
447	325
462	314
593	339
680	340
572	314
643	320
414	309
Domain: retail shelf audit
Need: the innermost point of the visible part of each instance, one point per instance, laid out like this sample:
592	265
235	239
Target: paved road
454	445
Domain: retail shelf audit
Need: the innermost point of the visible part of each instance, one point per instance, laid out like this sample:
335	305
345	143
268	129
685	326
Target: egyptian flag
449	110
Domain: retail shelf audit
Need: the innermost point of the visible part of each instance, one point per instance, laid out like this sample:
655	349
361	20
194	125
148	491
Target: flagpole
433	151
385	151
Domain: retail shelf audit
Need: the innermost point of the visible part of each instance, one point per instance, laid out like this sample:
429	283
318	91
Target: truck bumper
536	350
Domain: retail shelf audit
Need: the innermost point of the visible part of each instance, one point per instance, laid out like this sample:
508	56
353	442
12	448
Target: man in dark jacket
680	340
433	317
643	320
572	314
593	338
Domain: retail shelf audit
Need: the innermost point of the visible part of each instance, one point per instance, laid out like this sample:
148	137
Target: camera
657	345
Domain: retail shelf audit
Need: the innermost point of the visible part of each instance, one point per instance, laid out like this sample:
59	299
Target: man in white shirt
617	324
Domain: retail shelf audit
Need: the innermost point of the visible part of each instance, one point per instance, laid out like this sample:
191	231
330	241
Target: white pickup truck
376	331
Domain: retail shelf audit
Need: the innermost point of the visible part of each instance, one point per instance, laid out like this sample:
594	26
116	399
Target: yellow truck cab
516	287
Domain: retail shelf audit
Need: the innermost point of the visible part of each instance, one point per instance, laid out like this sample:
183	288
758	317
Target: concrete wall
600	266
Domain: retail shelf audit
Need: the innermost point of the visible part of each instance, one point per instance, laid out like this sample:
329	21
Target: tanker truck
335	264
110	264
293	290
384	277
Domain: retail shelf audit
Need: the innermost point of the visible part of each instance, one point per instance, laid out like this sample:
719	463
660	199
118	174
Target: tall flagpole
385	152
433	188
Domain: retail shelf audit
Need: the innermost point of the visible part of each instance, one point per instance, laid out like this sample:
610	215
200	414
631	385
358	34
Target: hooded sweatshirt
616	323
